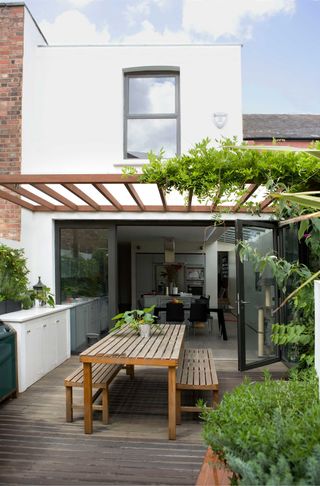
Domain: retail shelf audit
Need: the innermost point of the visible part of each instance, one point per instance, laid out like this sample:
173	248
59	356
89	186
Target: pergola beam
163	198
82	195
15	200
190	195
107	194
68	179
30	195
64	204
244	198
135	196
55	195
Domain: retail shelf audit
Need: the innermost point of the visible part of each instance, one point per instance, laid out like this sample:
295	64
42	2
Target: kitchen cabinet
87	317
43	341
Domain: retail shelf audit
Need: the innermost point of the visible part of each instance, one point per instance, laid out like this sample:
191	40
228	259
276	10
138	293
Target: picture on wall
195	273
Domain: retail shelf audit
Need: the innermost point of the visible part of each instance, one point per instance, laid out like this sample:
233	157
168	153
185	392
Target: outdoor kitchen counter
43	341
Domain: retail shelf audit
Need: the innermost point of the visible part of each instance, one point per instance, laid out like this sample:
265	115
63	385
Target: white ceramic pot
145	330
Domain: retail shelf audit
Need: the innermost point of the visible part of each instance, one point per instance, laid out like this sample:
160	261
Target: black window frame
149	73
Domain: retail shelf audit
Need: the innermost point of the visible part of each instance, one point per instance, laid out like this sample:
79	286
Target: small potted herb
139	320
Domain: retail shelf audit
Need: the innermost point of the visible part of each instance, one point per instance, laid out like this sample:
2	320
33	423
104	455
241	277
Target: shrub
13	274
269	432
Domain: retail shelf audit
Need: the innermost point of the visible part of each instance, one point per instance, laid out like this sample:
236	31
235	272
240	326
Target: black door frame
239	224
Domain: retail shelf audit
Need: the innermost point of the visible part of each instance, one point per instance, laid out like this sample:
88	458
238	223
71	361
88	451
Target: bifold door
257	297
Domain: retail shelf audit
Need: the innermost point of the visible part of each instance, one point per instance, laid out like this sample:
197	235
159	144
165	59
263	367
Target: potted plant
13	278
139	320
268	432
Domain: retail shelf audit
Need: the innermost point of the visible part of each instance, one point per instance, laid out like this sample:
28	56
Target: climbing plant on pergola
214	174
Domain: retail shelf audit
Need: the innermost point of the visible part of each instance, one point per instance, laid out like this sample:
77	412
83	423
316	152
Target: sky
280	38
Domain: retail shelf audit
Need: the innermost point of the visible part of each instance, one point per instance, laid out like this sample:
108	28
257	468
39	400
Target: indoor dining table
124	346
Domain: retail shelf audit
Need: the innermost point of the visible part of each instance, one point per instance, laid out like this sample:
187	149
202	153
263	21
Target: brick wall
11	66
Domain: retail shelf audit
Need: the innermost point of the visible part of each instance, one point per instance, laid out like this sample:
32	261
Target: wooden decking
39	448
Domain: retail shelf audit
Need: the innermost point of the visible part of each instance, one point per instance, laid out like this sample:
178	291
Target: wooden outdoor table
126	347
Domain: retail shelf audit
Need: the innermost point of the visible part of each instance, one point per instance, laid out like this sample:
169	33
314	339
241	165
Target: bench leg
105	406
178	406
215	398
130	371
69	408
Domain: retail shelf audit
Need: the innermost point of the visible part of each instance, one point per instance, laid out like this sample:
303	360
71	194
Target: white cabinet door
49	344
33	363
81	319
60	323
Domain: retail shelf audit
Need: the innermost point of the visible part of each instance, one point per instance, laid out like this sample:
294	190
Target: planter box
213	472
7	306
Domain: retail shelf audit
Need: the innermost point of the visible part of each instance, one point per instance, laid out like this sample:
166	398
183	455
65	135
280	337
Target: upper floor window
151	113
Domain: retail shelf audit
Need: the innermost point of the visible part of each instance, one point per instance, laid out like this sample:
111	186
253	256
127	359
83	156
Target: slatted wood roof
111	193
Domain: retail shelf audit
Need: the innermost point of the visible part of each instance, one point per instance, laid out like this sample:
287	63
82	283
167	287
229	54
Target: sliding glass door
86	276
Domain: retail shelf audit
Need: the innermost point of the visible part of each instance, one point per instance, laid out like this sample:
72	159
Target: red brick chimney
11	72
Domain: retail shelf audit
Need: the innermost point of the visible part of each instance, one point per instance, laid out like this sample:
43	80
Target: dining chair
174	312
199	313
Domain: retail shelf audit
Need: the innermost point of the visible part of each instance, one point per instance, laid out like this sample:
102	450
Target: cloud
142	8
80	3
73	27
149	35
134	11
216	18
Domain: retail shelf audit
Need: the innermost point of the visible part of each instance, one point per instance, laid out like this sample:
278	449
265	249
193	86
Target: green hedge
269	432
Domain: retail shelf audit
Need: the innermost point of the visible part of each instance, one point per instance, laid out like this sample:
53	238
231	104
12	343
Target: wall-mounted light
220	119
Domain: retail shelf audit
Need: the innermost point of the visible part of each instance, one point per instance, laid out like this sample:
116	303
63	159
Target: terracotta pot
213	472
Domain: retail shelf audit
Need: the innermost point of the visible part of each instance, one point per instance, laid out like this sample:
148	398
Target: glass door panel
256	298
83	263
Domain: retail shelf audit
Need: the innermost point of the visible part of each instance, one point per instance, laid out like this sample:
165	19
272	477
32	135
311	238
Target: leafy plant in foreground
269	432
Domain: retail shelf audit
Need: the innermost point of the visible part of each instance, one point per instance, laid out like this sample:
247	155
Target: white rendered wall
212	272
73	121
317	325
38	243
32	39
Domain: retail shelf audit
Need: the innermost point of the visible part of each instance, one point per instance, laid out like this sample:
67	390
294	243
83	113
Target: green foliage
135	318
300	330
213	174
269	432
44	297
13	274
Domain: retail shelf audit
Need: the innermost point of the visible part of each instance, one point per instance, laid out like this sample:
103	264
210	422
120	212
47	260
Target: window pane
151	95
84	263
145	135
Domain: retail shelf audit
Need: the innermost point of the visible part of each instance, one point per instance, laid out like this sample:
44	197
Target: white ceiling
179	233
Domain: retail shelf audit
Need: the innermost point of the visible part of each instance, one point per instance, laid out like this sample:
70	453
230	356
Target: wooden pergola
82	193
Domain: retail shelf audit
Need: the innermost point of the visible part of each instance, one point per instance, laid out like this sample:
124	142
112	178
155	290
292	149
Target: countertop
29	314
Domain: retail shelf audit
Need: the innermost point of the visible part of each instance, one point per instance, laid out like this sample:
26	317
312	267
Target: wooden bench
102	376
196	371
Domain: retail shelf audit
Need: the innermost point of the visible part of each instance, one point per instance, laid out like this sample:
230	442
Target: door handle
244	302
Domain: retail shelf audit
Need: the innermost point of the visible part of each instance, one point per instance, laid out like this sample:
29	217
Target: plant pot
3	307
213	471
7	306
13	305
145	330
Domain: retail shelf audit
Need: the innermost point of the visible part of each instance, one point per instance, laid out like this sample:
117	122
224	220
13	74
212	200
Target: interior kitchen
174	261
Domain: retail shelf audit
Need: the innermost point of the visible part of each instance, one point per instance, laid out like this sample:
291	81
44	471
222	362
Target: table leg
172	402
87	397
222	324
